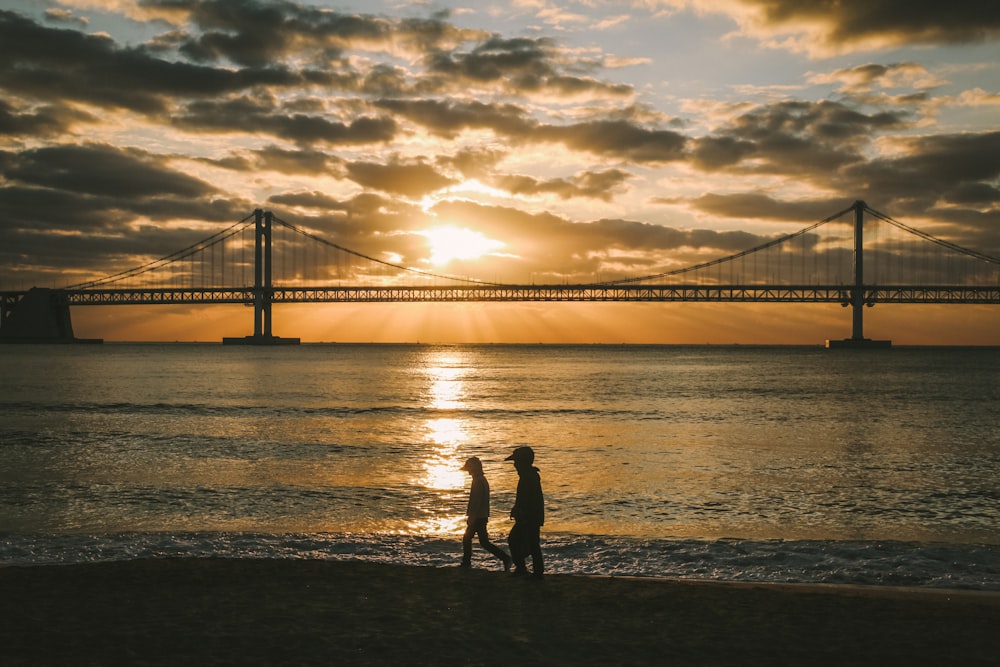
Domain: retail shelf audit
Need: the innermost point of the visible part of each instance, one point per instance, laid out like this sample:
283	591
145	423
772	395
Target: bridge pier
263	288
40	316
859	301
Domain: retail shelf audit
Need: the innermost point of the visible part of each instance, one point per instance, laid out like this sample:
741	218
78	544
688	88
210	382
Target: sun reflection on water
445	439
443	462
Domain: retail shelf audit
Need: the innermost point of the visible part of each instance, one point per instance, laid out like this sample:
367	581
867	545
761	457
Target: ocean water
734	463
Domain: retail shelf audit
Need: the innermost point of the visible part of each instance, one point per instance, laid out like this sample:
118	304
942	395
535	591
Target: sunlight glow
448	243
446	435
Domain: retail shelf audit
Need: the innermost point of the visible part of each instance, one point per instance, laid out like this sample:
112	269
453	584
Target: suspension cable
934	239
172	257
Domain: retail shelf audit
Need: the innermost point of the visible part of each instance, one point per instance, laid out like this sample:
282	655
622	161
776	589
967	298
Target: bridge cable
168	259
739	255
934	239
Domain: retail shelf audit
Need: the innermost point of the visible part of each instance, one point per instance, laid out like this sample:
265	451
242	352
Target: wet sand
303	612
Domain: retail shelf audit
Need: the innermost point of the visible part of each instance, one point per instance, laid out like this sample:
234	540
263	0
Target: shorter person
528	514
478	515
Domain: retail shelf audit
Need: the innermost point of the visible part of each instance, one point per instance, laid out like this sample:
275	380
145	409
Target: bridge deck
957	294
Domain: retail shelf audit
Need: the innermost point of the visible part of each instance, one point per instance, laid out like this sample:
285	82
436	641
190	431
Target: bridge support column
40	316
263	288
859	299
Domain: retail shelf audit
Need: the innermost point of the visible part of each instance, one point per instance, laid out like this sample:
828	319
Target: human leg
534	543
515	541
470	531
484	541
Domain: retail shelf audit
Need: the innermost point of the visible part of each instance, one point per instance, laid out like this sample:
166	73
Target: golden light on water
445	438
436	525
446	389
442	465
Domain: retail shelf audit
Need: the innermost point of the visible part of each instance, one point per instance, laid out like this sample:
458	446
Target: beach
214	611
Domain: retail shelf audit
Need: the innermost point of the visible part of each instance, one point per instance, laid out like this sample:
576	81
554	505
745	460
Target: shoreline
239	611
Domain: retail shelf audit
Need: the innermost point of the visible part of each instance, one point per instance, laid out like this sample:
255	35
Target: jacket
529	505
479	498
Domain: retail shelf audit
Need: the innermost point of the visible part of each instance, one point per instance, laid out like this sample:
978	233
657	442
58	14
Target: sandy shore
302	612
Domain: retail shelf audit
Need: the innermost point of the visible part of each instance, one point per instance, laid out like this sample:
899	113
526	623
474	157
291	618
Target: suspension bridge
856	258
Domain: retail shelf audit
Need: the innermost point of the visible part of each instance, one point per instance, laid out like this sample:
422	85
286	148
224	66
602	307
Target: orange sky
586	323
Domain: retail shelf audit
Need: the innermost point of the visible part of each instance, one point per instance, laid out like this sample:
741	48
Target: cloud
864	78
64	16
793	137
255	34
954	169
41	121
824	27
517	66
81	205
414	179
65	65
755	205
608	137
592	184
305	161
263	116
102	170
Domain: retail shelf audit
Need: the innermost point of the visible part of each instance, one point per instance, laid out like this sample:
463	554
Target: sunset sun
449	243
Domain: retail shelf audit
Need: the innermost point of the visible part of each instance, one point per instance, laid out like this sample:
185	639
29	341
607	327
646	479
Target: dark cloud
620	139
52	194
306	161
891	21
945	168
60	64
102	170
413	179
519	65
473	162
255	34
448	118
594	184
44	121
53	233
259	116
614	138
756	206
794	137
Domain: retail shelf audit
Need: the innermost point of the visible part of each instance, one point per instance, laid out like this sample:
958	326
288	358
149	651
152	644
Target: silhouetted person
478	515
528	514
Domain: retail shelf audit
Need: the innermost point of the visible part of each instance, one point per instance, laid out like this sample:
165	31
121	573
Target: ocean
788	464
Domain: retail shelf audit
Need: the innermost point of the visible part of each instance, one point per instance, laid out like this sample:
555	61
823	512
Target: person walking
528	514
478	514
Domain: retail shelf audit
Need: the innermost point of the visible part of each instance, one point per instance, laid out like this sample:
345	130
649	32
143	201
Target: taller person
528	514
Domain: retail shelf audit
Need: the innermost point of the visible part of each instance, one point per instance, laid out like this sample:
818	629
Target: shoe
506	564
519	572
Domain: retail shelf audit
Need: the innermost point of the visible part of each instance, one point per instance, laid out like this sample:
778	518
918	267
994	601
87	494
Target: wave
888	563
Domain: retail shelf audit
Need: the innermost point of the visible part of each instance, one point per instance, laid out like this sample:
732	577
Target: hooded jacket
529	505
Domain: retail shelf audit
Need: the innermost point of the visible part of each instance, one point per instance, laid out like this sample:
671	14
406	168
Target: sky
551	141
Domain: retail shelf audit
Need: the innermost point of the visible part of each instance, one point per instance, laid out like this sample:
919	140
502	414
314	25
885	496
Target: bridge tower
263	288
858	300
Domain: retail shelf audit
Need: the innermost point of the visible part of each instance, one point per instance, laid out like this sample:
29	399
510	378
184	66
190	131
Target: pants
478	527
525	540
